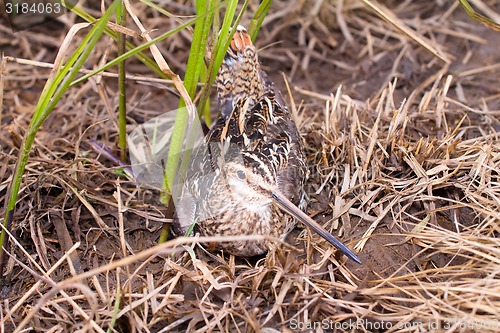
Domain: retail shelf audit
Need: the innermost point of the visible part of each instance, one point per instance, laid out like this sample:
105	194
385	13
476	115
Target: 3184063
20	8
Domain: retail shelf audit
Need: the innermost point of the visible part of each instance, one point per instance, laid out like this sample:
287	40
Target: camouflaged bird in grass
248	178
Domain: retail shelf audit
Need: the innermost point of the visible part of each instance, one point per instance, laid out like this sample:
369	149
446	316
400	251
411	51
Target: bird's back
254	117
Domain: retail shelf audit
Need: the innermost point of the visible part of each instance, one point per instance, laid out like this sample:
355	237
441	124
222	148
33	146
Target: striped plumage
253	160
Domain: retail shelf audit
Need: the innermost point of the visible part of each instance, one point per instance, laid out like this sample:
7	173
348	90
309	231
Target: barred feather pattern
253	146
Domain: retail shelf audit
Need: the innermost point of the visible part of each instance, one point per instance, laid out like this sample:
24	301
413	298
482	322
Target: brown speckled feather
253	145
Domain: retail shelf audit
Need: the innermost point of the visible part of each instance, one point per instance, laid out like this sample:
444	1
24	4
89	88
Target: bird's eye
241	175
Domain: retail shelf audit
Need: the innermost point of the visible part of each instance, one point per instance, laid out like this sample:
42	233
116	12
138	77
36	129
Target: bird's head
255	188
248	185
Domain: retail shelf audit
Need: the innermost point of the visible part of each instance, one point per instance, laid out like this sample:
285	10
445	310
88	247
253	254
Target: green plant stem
116	310
478	17
142	57
219	51
258	18
122	98
53	91
193	70
136	51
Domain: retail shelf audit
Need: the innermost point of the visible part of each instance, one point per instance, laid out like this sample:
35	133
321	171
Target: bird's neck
239	77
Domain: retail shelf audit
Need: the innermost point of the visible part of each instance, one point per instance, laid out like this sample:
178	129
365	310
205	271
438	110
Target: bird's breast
239	220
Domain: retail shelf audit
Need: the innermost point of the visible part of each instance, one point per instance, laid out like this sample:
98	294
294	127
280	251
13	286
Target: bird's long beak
293	210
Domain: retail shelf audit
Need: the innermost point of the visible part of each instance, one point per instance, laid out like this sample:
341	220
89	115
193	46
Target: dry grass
404	165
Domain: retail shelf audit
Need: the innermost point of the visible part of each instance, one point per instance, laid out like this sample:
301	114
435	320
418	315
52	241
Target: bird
248	176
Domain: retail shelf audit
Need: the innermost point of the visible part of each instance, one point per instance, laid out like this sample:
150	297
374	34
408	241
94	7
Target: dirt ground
404	168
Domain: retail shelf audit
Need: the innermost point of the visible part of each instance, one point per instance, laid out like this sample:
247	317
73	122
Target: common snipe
252	167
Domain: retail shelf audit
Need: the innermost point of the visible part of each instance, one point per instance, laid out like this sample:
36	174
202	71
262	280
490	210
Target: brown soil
401	166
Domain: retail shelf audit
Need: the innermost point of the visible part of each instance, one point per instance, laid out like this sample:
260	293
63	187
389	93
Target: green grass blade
225	36
121	19
195	68
258	18
141	56
478	17
51	95
116	310
161	10
136	51
220	49
193	71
